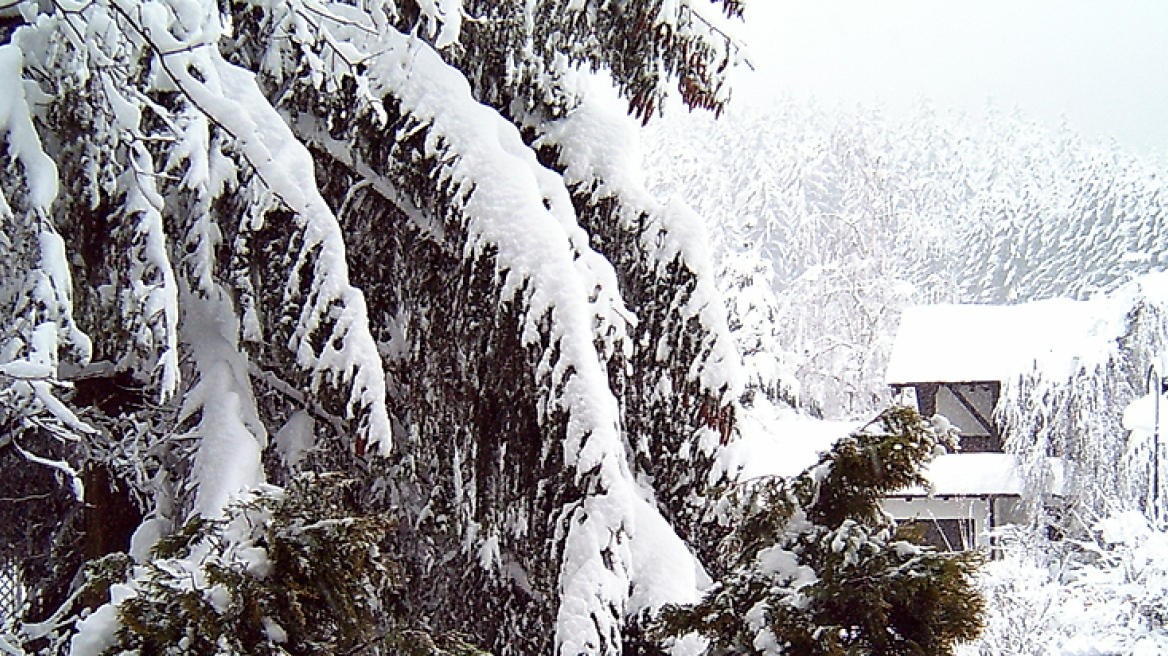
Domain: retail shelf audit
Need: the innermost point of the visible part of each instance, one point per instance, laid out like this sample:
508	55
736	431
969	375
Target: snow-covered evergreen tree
251	240
246	239
818	568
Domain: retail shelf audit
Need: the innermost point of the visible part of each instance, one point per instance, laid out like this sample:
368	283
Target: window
945	534
969	406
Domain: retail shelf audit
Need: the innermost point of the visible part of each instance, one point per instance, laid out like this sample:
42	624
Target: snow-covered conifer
816	567
302	238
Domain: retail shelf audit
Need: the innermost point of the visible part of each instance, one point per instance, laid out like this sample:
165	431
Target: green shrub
288	571
815	568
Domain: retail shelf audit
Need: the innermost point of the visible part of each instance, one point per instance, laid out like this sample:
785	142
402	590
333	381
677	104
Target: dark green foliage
817	569
510	53
664	430
179	544
870	465
475	426
288	572
421	643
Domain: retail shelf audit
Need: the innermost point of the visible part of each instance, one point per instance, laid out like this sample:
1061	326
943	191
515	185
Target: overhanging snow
971	474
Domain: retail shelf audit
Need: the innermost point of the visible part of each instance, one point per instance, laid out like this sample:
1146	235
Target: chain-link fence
11	591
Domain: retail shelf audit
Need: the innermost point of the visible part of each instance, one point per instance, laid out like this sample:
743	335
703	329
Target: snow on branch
35	281
220	117
685	376
535	253
598	152
512	204
333	304
24	145
493	202
76	485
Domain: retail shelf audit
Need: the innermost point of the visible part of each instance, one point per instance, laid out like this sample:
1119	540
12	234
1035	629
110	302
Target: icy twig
77	484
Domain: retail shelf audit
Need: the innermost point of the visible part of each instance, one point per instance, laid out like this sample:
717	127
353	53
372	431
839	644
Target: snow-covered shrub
286	571
1106	594
816	568
1021	591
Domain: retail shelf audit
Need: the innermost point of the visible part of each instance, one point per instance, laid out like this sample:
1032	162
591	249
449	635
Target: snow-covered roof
983	474
972	474
783	443
966	343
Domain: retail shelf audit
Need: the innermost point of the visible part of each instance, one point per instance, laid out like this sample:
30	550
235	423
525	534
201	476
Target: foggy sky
1101	64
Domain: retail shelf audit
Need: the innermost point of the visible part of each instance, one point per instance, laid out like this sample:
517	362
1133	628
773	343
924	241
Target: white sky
1103	64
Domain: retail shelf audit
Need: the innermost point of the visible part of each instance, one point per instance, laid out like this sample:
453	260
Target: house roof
978	474
968	343
970	474
784	444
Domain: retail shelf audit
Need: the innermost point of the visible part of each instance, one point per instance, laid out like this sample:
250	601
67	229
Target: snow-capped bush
1107	594
815	567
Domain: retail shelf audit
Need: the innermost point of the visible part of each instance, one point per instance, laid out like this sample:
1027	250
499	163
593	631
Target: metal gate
11	591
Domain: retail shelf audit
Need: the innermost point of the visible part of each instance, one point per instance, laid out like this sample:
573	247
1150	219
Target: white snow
450	12
966	343
77	486
55	290
777	441
26	369
148	533
784	565
59	410
1146	420
255	560
15	119
231	435
274	631
525	213
1147	414
295	438
98	632
971	474
32	351
154	306
663	569
593	593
